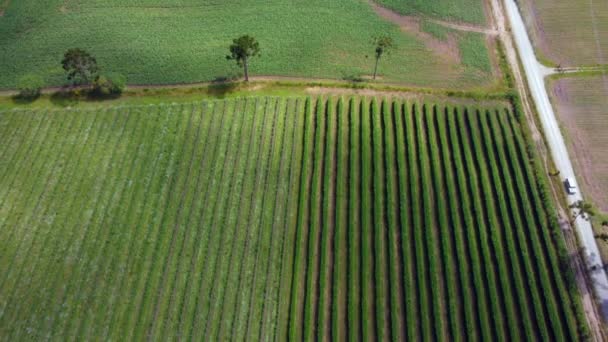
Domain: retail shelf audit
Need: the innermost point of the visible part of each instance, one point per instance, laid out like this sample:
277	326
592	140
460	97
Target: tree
241	50
582	209
29	86
109	84
80	66
382	44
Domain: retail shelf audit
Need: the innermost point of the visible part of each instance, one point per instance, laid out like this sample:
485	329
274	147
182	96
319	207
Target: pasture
185	41
270	218
467	11
568	32
581	104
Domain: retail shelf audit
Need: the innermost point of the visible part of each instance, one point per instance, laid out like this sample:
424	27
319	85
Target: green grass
277	217
152	42
470	11
436	30
473	52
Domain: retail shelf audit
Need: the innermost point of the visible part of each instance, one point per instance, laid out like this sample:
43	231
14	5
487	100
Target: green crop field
183	41
275	218
470	11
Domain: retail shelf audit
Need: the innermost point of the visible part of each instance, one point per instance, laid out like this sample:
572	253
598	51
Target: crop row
437	217
273	218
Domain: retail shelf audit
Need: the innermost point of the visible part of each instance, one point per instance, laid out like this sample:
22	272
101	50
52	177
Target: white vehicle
570	186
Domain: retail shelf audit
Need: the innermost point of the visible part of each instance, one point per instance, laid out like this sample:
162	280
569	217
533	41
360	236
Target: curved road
535	76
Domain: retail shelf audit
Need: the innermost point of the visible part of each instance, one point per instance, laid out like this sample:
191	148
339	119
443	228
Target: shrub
109	84
29	86
80	66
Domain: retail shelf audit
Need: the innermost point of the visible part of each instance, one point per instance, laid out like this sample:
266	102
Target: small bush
111	84
30	86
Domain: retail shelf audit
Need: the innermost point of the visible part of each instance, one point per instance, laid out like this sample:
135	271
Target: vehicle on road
570	186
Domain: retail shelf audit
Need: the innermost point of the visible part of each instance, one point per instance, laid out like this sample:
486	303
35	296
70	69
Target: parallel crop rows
274	218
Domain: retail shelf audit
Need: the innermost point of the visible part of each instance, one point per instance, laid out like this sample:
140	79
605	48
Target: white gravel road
535	77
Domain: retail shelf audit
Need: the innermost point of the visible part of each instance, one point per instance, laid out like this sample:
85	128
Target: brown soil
446	49
571	33
459	26
581	106
405	95
465	27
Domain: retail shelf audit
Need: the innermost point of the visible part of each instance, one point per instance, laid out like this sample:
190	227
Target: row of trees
82	69
246	47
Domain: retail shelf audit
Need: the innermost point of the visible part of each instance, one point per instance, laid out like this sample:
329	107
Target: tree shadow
353	78
356	81
222	85
569	270
98	97
24	100
222	89
66	98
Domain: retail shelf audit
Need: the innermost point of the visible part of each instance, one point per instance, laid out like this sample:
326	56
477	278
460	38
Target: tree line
83	72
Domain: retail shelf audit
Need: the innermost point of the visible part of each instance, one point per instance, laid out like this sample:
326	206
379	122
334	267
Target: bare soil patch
582	107
447	49
568	32
404	95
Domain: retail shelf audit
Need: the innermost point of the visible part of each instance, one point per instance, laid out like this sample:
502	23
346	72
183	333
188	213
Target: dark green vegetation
241	50
270	218
181	41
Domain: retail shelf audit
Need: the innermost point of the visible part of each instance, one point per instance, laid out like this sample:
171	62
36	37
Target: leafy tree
382	44
582	209
29	86
80	66
241	50
109	84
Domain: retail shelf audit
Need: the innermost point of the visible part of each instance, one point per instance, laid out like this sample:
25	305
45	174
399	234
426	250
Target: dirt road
534	76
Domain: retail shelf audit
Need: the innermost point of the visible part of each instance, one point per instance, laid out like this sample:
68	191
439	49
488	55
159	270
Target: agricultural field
581	104
185	41
467	11
275	218
568	32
